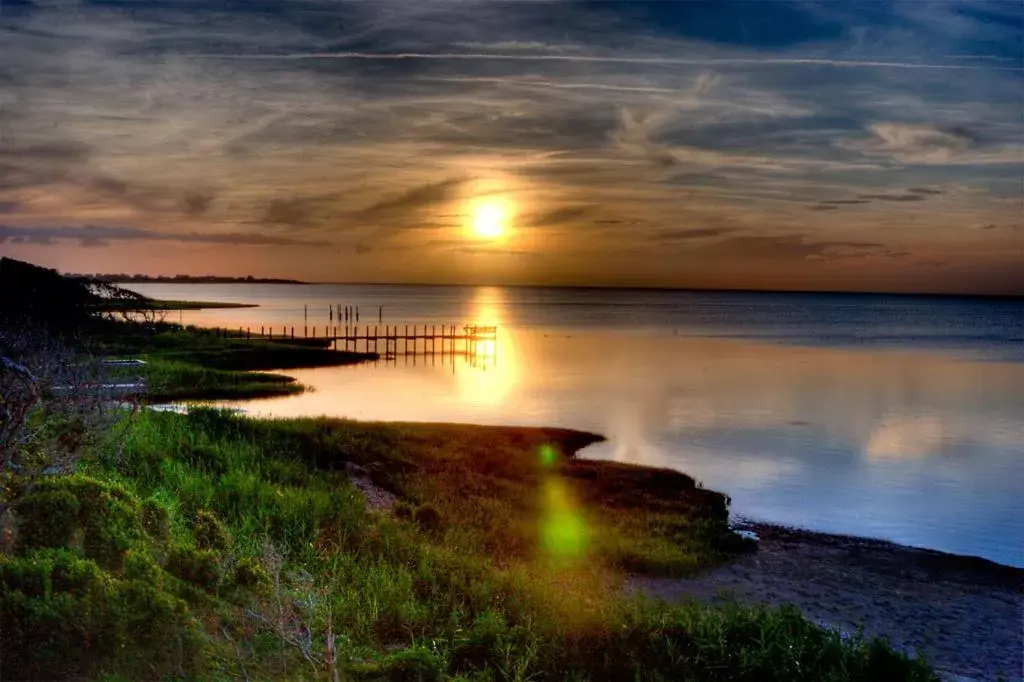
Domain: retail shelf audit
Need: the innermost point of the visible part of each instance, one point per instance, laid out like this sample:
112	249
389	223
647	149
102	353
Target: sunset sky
825	145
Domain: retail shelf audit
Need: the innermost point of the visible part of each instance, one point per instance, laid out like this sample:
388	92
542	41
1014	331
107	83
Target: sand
965	615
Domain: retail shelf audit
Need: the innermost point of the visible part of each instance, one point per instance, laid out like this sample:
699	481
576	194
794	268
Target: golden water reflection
489	378
916	447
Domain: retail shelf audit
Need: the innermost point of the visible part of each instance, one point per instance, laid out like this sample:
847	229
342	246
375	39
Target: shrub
47	519
106	514
210	532
251	575
200	567
156	520
140	566
62	616
428	519
415	664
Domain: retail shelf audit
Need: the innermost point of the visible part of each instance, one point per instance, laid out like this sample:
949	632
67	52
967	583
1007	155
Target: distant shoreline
188	279
1016	297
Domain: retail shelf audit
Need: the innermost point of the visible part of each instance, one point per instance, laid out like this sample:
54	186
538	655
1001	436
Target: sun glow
491	218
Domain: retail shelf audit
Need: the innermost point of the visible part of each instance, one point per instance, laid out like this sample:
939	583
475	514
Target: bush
250	575
428	519
106	515
62	616
210	532
200	567
140	566
156	520
47	519
415	664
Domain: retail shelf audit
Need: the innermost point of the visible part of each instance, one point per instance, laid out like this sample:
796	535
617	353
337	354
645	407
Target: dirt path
964	615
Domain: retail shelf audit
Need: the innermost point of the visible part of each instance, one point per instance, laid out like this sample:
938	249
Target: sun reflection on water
493	365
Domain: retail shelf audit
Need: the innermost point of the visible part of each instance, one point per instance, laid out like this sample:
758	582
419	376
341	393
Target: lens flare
563	530
548	456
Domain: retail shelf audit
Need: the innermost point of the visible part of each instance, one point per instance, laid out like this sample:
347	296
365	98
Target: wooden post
357	315
314	331
293	332
305	313
305	332
380	314
263	331
375	338
247	334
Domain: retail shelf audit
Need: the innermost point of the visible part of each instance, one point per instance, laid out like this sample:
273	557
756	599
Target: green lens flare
564	534
563	529
548	455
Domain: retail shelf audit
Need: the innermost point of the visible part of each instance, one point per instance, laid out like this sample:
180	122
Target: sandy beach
963	614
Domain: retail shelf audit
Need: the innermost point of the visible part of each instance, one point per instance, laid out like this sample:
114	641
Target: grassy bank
209	546
166	304
195	363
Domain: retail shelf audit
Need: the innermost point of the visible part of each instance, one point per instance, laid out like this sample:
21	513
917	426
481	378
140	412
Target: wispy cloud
604	59
99	235
416	198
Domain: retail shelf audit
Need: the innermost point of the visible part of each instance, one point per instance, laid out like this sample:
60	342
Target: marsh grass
243	545
200	364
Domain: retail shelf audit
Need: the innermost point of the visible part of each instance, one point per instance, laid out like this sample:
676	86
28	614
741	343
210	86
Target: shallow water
893	417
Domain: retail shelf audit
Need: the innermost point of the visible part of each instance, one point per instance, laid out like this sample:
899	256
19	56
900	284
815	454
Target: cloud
603	59
926	144
95	235
899	198
789	247
197	203
685	235
556	216
913	194
515	45
419	197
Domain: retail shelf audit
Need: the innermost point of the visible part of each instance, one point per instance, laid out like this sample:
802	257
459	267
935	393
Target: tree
55	402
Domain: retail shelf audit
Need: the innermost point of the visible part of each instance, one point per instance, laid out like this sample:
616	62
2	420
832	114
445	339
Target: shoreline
949	560
961	613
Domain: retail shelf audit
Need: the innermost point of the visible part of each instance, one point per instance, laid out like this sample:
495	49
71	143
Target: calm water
891	417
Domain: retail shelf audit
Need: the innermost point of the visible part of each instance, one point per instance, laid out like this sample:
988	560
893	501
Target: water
885	416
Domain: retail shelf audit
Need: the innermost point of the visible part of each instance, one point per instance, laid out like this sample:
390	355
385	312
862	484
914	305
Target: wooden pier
417	339
387	341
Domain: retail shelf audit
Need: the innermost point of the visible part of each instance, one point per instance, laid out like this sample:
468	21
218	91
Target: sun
490	219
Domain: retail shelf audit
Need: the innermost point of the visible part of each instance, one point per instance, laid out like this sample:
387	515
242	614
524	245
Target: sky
870	146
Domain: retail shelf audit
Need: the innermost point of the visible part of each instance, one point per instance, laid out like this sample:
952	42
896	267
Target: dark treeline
123	278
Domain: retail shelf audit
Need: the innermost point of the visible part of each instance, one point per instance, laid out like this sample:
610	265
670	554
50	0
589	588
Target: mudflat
963	614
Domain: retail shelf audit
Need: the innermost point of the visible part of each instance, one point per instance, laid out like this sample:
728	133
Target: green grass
162	304
200	364
230	546
170	380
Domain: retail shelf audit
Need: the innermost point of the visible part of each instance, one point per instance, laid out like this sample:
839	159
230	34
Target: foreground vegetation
209	546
